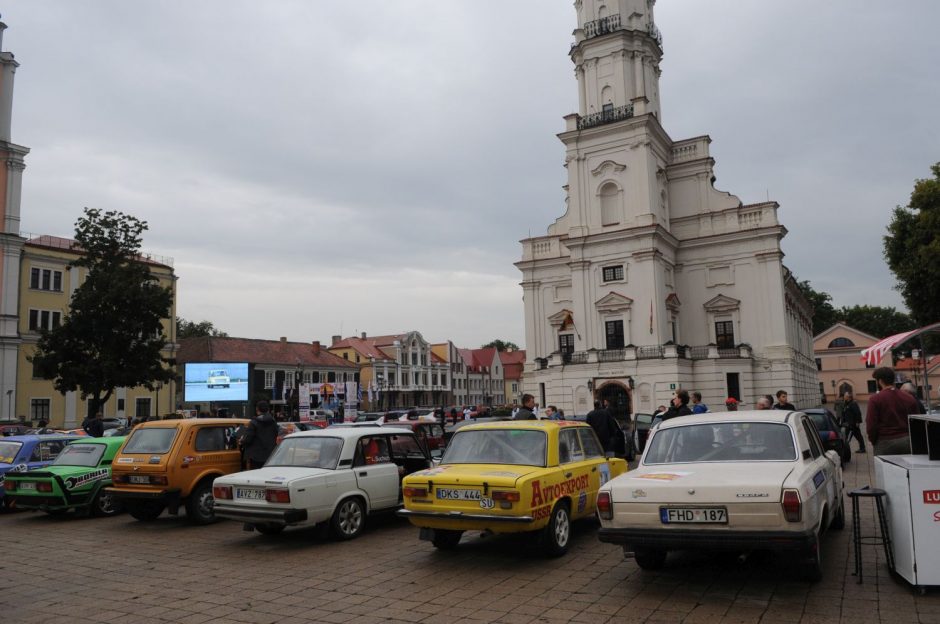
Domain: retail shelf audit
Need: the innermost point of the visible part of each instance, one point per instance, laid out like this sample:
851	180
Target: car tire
269	529
349	519
145	511
104	505
650	558
846	455
838	521
557	533
200	504
813	571
445	539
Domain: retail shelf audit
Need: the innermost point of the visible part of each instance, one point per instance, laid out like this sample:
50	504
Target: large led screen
215	381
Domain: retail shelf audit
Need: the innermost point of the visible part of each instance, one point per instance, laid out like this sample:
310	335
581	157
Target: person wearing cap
731	404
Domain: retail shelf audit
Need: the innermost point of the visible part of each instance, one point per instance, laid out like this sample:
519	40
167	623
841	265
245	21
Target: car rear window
497	446
307	452
721	442
80	455
8	451
155	440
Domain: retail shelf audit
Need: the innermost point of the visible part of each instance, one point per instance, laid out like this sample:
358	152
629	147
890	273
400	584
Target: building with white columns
652	279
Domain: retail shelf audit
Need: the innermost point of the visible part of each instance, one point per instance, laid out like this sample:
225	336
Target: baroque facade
653	280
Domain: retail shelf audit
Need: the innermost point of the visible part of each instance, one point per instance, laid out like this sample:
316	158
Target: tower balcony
603	26
606	116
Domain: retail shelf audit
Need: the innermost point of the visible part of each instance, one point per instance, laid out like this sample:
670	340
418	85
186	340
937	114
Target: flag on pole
370	394
359	393
651	317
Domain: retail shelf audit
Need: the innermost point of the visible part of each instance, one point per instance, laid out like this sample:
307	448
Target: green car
75	480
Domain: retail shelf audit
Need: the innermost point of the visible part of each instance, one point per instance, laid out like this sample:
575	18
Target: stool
884	539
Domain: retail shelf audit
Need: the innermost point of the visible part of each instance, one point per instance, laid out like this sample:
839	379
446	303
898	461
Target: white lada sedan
334	476
727	481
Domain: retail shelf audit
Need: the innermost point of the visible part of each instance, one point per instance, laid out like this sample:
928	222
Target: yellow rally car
510	477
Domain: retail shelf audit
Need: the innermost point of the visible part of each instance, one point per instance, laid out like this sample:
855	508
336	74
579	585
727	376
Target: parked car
748	480
338	476
530	476
369	416
22	453
429	433
830	432
76	479
13	430
166	464
218	379
641	429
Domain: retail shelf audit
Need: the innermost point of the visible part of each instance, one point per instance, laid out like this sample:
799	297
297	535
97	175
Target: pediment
610	165
613	302
561	319
722	303
672	302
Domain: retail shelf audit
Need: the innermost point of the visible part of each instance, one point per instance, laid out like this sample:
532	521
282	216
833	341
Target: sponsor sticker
605	473
582	501
125	460
818	479
662	476
932	497
97	475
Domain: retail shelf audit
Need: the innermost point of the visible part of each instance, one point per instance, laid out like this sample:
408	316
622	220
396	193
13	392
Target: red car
429	433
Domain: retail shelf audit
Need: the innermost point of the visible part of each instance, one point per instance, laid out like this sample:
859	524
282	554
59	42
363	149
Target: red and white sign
932	497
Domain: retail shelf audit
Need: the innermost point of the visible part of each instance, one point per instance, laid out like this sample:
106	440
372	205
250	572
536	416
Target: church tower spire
616	54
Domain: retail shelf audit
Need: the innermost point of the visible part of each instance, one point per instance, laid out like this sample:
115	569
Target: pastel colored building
839	363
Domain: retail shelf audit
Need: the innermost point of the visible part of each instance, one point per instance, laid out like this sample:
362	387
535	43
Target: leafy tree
824	314
501	345
878	321
189	329
912	249
112	335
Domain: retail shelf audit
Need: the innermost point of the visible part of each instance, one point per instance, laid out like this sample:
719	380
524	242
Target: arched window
601	12
841	342
610	204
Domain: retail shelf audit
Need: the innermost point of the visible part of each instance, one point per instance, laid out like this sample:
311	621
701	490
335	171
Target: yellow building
46	285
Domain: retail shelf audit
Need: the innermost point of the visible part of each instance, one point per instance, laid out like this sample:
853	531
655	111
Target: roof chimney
283	338
363	335
335	339
316	348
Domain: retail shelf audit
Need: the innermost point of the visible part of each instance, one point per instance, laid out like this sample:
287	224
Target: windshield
497	446
8	451
307	452
150	440
720	442
80	455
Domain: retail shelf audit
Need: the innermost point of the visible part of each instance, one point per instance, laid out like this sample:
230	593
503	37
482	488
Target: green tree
824	315
878	321
501	345
912	249
112	335
189	329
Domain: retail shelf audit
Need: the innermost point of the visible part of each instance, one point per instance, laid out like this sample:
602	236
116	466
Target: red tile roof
255	351
513	363
369	347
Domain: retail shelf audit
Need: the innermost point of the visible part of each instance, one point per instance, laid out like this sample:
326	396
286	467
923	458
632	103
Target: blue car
25	452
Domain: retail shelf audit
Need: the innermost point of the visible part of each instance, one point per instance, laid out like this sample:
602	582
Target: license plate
249	493
691	515
451	494
27	485
138	479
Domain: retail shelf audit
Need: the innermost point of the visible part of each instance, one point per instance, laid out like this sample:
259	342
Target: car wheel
145	511
446	540
813	571
269	529
846	454
349	519
838	521
200	506
650	558
557	533
104	505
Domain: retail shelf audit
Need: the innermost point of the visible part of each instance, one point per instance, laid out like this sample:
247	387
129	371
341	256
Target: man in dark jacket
94	426
525	412
680	405
851	419
260	436
604	424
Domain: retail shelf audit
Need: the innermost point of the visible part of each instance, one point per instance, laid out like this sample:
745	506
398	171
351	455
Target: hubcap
350	517
562	527
206	504
105	504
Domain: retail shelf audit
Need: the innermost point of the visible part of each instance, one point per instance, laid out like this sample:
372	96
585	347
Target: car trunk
703	484
463	486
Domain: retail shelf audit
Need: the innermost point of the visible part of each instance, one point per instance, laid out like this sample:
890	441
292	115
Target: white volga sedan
333	477
728	481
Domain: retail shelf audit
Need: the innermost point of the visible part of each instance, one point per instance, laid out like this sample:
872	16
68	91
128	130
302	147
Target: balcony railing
611	355
576	357
729	353
603	26
698	353
649	352
605	117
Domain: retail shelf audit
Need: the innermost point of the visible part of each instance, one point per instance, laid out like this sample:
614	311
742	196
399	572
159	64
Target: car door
376	474
819	478
595	459
577	470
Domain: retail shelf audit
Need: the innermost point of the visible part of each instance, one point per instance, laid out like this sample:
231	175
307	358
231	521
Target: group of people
684	403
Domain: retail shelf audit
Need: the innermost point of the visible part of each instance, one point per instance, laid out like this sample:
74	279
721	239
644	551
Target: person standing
94	425
697	406
604	424
764	402
781	403
260	436
909	388
886	421
851	419
525	412
680	405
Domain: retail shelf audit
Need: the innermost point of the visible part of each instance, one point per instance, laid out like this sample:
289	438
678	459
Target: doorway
618	398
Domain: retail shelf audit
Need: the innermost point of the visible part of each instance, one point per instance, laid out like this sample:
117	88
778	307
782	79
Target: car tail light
158	480
506	496
8	485
277	495
222	492
792	506
605	509
833	436
44	486
415	492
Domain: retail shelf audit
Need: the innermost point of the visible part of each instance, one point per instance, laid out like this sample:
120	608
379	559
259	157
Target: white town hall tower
653	280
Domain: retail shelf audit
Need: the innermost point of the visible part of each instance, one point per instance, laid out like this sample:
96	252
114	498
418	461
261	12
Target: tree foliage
879	321
112	335
501	345
190	329
912	249
824	314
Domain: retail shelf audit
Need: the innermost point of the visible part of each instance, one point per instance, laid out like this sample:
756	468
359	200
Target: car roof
107	441
535	425
350	432
192	422
774	416
38	437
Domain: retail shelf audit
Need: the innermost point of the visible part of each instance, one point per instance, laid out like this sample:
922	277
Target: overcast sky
317	168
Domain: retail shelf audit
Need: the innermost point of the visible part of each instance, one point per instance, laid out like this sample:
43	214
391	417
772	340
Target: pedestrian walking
525	412
260	436
886	421
782	403
851	419
697	406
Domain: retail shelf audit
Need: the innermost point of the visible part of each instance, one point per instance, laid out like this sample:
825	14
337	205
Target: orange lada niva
168	464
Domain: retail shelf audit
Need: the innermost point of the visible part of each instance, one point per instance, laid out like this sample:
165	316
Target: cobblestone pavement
119	570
